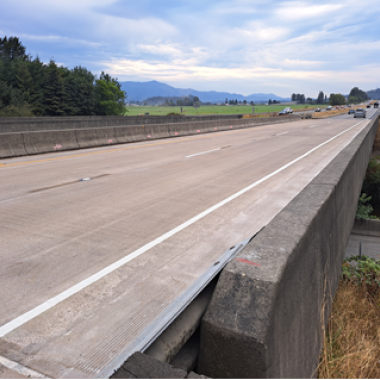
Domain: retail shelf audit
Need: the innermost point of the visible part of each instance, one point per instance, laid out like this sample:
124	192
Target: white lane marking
312	126
207	151
20	369
282	133
24	318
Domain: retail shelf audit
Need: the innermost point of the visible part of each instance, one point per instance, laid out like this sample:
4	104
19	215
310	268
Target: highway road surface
371	112
96	243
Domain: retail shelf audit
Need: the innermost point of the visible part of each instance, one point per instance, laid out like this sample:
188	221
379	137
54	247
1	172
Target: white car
360	112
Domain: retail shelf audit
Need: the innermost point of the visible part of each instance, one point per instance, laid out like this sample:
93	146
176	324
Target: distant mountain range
138	91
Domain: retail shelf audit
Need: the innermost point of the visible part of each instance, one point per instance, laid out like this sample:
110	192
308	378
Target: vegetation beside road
352	337
29	87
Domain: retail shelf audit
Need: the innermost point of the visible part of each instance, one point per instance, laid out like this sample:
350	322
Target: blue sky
241	46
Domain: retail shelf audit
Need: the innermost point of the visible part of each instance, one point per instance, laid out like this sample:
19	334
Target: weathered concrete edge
367	227
264	319
38	142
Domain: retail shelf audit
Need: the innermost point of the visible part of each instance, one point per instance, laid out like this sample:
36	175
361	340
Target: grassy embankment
210	110
352	338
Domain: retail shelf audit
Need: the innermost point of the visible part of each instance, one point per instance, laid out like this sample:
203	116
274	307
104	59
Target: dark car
329	108
317	110
368	106
351	111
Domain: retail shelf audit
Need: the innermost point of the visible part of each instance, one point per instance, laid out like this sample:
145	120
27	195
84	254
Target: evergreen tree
53	91
24	80
11	49
82	91
37	72
28	87
320	97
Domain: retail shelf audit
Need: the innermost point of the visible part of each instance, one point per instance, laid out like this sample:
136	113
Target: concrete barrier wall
36	142
12	145
49	141
267	311
28	124
367	227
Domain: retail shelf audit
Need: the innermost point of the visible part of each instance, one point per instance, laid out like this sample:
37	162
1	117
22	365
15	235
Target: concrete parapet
43	141
266	313
129	134
367	227
28	124
12	145
89	138
48	141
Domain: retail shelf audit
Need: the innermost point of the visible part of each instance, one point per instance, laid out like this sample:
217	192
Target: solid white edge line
26	317
21	370
207	151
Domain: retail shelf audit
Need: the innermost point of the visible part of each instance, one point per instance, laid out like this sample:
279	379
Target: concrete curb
264	319
47	141
367	227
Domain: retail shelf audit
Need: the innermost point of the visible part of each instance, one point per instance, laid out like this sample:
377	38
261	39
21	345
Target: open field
208	110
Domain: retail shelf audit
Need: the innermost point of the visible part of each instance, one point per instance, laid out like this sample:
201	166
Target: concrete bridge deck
87	265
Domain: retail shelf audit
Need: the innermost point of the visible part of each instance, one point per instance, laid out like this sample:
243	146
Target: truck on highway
376	104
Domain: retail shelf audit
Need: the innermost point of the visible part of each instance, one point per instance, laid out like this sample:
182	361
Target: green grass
206	110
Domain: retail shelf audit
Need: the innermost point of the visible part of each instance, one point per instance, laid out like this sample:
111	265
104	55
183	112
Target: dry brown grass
352	338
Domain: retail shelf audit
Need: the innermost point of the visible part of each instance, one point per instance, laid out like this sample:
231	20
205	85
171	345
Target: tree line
29	87
356	96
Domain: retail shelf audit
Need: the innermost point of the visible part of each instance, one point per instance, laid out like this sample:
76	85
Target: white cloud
303	44
301	10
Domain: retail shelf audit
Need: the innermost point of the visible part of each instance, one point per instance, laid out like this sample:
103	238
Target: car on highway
317	110
368	106
328	108
376	104
285	111
360	112
351	111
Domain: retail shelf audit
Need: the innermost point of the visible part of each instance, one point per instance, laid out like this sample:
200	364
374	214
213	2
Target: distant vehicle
317	110
376	104
360	112
368	106
285	111
351	111
349	105
328	108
